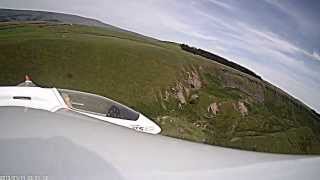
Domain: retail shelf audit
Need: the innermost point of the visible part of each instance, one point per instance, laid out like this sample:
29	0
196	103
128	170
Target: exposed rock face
193	99
213	108
251	87
187	92
184	89
179	93
194	80
242	108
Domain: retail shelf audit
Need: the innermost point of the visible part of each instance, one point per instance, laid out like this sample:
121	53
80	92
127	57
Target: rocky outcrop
194	98
213	108
179	93
241	107
194	80
252	87
185	90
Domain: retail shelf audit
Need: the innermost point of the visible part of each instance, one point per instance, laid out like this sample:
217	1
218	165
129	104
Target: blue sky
278	39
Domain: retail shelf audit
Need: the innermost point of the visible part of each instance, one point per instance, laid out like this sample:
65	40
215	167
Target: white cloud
316	55
222	4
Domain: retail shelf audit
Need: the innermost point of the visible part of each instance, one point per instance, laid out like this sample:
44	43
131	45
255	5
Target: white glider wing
68	145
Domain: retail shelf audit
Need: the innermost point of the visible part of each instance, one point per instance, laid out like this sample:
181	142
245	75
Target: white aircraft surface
27	94
63	144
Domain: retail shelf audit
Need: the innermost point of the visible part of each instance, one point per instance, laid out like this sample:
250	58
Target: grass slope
148	75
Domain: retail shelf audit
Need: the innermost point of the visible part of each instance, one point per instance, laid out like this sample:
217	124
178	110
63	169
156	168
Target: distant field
190	97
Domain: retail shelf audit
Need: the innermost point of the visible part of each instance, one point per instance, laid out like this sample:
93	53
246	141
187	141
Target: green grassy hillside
190	97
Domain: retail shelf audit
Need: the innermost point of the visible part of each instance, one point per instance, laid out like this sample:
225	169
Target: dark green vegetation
189	96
